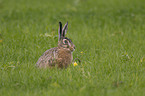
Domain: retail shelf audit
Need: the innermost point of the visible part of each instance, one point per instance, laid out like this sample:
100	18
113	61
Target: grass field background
109	36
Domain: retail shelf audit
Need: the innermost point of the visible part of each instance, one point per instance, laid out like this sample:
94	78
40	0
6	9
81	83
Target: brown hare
60	56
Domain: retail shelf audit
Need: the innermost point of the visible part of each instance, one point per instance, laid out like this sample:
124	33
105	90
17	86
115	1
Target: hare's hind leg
42	63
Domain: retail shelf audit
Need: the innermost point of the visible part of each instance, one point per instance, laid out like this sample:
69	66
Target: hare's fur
55	57
60	56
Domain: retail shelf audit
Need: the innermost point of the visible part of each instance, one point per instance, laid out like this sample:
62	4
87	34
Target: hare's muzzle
72	48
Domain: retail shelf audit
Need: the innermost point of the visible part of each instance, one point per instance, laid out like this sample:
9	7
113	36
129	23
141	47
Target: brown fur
65	58
60	56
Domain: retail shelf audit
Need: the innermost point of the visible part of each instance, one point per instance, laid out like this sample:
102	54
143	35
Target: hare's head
64	42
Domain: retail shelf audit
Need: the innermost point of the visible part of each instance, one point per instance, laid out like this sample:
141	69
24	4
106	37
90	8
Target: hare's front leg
60	63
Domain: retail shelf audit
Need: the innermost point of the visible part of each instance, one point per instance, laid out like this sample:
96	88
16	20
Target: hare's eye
65	42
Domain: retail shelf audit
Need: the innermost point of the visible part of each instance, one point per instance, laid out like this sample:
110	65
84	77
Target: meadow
109	36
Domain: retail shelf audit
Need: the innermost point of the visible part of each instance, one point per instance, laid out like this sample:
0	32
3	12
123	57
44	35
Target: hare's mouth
72	49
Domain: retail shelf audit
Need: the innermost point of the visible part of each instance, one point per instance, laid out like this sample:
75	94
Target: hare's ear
64	30
60	30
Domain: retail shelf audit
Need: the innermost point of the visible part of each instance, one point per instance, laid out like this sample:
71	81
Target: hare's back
47	56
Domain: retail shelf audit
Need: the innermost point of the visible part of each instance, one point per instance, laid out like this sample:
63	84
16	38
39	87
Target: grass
111	35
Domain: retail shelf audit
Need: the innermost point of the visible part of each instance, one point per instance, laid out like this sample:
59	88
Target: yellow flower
75	64
1	40
142	59
81	52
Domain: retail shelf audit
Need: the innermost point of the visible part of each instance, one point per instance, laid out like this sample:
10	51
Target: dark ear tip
60	23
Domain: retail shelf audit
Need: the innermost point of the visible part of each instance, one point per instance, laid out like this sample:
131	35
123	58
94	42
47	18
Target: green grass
111	35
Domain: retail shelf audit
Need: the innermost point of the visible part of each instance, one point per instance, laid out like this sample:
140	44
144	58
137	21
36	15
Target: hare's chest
66	56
